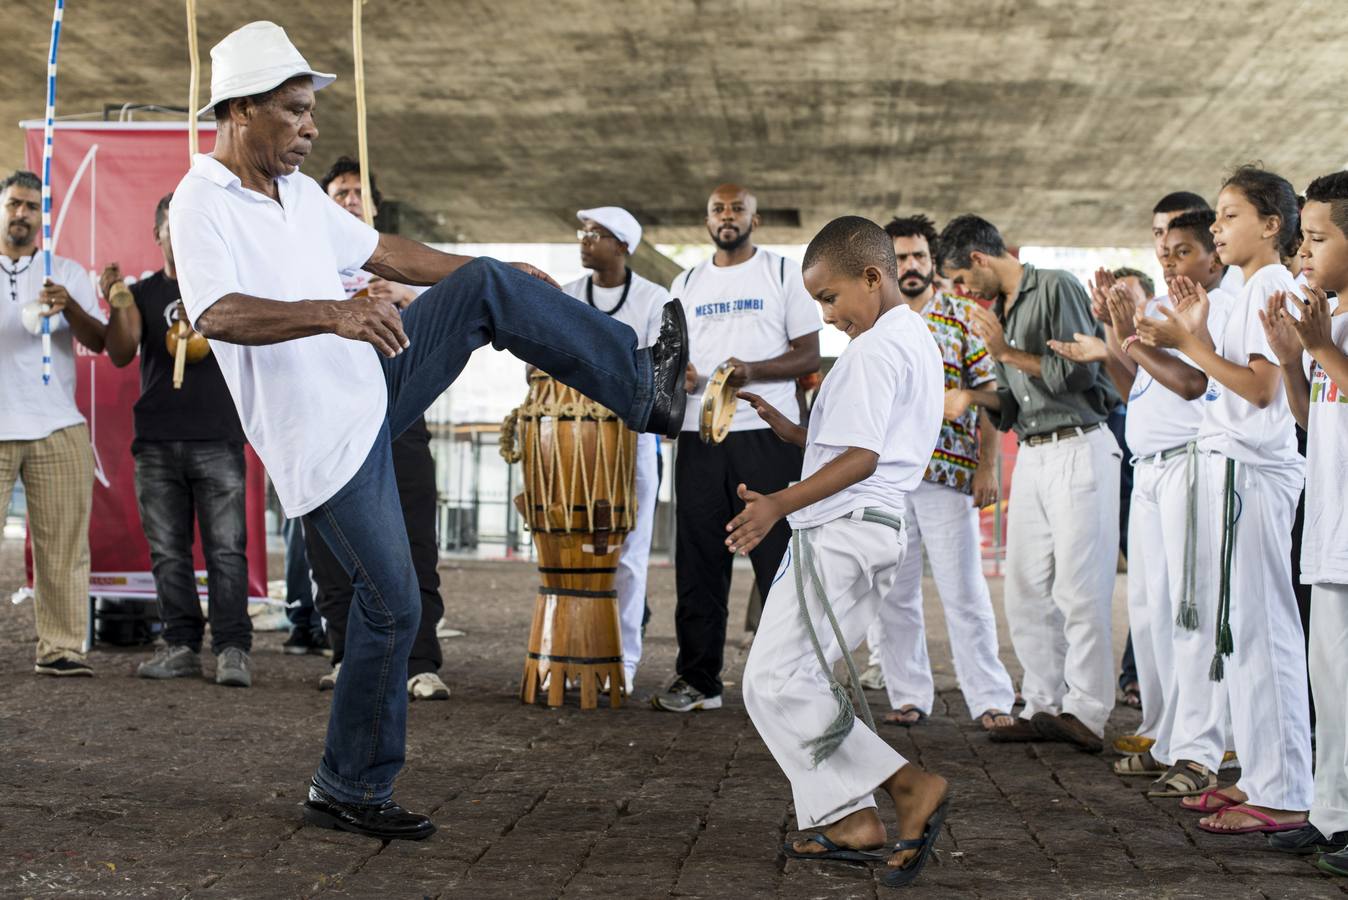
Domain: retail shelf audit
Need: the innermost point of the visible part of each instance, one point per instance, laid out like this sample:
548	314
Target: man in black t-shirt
189	460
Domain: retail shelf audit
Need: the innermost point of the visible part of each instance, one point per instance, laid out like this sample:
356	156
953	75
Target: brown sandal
1139	764
1185	778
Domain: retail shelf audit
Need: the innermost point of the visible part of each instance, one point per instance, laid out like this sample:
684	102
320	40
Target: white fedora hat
253	60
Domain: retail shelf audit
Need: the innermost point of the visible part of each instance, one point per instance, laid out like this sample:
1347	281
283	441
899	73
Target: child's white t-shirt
1158	418
1324	549
1232	426
884	394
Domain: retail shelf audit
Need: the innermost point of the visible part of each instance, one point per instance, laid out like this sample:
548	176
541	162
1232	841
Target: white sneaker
873	679
329	680
427	686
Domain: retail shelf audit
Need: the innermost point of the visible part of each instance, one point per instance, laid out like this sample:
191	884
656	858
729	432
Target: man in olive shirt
1063	521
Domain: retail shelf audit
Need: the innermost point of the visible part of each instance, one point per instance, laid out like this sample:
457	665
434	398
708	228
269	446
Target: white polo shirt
30	410
311	407
884	394
751	311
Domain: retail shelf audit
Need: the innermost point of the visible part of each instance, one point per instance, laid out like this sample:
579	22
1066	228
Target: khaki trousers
58	479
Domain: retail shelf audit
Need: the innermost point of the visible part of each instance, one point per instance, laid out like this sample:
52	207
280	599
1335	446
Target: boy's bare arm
762	511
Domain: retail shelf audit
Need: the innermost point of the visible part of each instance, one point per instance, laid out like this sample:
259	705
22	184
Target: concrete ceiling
1063	122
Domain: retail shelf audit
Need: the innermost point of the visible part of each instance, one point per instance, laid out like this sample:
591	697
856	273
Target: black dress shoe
1306	840
387	821
669	361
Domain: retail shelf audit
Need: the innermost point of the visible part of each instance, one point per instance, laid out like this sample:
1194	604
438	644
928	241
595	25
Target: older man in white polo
323	383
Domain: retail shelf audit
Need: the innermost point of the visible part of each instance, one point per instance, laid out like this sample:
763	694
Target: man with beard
43	437
749	308
942	514
1063	526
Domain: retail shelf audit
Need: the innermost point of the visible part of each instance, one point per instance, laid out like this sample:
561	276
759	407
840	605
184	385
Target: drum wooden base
575	638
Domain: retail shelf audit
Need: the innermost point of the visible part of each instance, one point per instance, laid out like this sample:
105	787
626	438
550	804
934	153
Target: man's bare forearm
254	321
801	359
1028	363
123	335
989	441
87	330
984	399
410	262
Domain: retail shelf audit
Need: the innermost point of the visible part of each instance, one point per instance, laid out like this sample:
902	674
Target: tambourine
718	406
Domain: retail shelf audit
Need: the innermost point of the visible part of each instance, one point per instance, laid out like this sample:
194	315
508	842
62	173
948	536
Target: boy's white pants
1157	527
785	690
1264	687
944	521
633	559
1329	678
1062	551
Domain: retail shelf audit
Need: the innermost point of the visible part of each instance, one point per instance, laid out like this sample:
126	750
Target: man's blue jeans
485	302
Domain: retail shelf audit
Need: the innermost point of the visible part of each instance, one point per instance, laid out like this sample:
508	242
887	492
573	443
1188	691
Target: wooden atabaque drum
579	500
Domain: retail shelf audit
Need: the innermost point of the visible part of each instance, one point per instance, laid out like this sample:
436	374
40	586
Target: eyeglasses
584	236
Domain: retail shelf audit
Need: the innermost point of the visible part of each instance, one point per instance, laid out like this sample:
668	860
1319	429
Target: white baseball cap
619	221
253	60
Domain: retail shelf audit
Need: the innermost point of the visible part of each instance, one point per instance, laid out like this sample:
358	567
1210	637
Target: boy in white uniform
1165	408
870	438
1249	476
608	236
1311	349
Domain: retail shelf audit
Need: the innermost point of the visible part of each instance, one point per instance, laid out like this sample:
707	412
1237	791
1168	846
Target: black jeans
177	481
414	470
706	477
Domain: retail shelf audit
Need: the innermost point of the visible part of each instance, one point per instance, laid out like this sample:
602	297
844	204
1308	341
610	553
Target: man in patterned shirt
942	514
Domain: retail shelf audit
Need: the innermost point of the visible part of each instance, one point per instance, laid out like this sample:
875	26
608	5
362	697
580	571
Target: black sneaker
669	362
64	668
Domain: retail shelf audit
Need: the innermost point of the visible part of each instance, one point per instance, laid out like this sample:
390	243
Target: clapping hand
1123	310
1278	328
112	273
989	330
1084	348
1100	286
781	426
749	528
1312	328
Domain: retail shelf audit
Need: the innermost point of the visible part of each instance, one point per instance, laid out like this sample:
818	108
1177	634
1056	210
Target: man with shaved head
746	307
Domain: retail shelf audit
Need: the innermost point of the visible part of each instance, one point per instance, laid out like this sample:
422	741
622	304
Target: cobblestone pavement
122	787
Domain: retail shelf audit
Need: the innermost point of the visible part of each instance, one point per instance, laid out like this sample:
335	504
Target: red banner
107	178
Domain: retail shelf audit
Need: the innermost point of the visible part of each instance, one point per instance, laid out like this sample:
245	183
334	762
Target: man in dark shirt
1063	518
189	459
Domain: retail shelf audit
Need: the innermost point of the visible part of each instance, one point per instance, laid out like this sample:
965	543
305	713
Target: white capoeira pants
787	693
633	559
1062	551
944	522
1157	526
1264	685
1329	677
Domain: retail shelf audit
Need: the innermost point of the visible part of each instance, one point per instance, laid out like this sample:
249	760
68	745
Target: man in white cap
608	236
324	383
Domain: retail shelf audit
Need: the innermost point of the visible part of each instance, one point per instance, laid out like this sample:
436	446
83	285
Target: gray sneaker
873	679
233	668
682	697
172	661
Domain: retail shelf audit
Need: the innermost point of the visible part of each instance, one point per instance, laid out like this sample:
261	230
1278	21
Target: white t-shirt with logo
1324	541
884	394
641	310
1158	418
30	410
1232	426
310	407
751	311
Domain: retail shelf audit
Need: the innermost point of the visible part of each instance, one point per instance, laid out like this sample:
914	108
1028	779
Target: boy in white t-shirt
1248	479
870	437
1312	348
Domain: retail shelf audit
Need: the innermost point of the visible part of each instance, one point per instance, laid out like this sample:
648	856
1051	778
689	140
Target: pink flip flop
1205	802
1269	827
